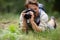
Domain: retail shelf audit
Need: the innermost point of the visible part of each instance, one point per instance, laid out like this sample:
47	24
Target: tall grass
13	32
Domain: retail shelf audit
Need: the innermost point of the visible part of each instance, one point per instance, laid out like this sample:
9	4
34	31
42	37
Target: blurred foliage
16	6
11	5
12	28
13	33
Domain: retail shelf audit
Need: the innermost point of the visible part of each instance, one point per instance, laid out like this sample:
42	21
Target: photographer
35	20
34	17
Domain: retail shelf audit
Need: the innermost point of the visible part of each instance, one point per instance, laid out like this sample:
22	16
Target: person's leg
52	23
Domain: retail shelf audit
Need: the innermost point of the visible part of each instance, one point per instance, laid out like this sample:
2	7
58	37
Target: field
9	30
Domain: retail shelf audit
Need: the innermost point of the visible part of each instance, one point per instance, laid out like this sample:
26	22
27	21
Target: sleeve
21	20
43	19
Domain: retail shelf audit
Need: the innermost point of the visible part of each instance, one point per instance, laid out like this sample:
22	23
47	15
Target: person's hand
23	14
32	16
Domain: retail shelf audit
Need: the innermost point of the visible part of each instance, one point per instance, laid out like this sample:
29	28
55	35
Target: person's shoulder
42	13
23	11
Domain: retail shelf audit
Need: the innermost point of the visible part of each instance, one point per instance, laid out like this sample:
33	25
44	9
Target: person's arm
42	26
23	23
34	25
43	21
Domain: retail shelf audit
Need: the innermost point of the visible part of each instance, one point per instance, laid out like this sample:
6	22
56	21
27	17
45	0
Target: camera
27	15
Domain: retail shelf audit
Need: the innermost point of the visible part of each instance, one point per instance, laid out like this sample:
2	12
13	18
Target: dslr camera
27	15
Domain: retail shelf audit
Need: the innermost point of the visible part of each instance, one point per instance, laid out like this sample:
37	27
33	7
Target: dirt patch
6	24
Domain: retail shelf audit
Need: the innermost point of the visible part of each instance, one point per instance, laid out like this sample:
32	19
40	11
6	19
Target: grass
12	31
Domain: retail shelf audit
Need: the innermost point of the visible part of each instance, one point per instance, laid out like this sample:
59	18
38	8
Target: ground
9	30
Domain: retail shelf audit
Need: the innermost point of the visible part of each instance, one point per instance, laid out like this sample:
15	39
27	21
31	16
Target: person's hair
31	3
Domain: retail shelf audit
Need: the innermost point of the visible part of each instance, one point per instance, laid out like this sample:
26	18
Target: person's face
34	7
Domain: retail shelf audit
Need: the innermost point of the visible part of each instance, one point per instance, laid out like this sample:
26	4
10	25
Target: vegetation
9	30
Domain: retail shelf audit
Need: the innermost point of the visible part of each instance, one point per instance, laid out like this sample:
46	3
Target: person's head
33	6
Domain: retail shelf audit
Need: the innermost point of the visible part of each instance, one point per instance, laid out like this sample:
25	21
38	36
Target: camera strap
37	19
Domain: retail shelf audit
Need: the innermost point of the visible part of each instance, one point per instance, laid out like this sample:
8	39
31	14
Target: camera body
27	15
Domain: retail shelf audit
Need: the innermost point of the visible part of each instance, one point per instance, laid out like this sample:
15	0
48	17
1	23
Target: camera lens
27	16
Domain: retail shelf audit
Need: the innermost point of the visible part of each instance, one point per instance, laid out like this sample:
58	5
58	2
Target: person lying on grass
35	18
